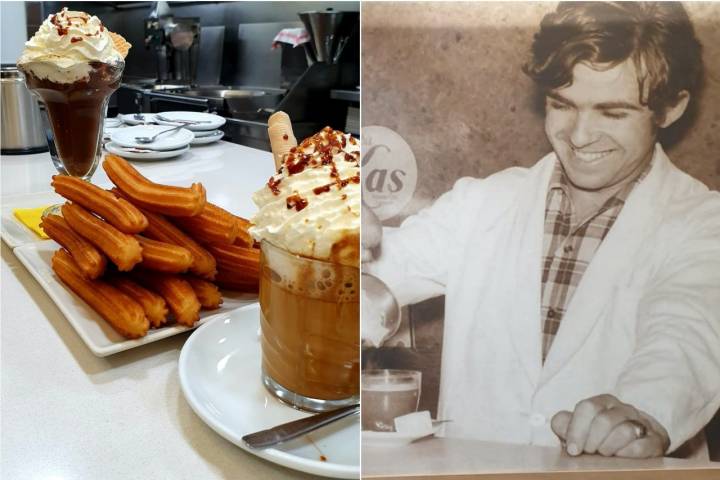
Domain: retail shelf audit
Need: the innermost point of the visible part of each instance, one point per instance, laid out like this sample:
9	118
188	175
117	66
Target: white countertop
448	457
67	414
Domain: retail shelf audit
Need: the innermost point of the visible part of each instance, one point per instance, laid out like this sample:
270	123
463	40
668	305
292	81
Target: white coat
643	324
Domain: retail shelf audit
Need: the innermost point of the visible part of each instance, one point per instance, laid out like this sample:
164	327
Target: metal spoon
152	139
294	429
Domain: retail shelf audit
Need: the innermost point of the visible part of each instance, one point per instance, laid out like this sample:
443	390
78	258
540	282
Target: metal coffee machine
333	55
176	42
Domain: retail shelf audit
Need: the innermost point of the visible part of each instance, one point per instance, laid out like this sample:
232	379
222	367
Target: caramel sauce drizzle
325	145
63	28
296	201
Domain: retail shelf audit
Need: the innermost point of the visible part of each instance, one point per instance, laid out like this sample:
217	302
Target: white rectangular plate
13	232
97	334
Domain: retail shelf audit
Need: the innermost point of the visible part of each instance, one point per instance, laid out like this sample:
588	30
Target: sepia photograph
541	238
180	240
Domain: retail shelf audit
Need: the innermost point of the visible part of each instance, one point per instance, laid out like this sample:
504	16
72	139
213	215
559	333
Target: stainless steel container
21	123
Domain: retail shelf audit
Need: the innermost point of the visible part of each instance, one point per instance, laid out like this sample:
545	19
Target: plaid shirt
569	246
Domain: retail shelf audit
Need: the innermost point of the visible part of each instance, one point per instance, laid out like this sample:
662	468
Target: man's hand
371	232
605	425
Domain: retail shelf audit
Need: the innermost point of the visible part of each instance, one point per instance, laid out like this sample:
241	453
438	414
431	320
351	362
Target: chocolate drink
76	112
310	325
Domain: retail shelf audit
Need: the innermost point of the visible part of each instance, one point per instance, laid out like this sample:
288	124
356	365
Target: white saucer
205	139
392	439
205	133
144	155
125	137
111	122
216	121
219	370
130	119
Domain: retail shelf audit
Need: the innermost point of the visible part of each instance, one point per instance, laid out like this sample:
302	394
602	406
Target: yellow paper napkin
31	218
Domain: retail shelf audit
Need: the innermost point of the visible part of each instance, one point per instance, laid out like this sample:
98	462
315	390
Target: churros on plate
118	212
88	258
123	313
124	250
153	304
164	257
176	291
167	244
207	292
165	199
212	225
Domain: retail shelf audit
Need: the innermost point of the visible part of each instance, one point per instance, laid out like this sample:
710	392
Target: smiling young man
582	294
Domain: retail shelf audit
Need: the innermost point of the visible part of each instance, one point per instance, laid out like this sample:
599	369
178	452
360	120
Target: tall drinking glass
310	321
76	112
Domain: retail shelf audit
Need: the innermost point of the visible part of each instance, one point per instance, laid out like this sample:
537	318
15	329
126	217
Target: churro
153	304
123	313
160	228
243	239
212	225
240	267
118	212
207	292
122	249
234	280
165	199
164	257
88	258
176	291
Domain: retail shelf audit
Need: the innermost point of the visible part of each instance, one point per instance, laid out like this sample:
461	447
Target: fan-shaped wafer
121	45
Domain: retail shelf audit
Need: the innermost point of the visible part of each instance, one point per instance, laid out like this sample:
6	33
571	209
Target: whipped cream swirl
65	45
311	207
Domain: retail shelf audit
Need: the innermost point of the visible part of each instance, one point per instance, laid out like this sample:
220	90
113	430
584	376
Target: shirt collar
559	180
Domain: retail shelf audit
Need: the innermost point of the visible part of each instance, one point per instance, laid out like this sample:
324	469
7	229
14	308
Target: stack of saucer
204	125
150	142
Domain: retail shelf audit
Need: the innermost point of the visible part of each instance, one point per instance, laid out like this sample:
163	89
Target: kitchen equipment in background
175	41
210	58
22	126
330	31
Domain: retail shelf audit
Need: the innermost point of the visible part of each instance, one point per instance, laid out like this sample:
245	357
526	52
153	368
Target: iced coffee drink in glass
73	64
308	226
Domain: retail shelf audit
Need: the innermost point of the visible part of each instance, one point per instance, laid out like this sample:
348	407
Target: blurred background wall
447	78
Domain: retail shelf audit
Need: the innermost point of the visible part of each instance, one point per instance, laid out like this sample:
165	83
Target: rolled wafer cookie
281	136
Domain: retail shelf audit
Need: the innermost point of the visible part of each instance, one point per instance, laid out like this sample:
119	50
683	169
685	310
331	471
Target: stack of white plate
124	142
204	125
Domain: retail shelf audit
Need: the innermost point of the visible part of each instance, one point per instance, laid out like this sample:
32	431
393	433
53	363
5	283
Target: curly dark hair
657	36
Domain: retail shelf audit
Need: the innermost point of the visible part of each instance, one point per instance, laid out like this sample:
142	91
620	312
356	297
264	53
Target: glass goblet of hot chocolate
308	227
73	64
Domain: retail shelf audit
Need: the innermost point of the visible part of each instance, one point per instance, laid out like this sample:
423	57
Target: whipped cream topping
311	207
65	44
